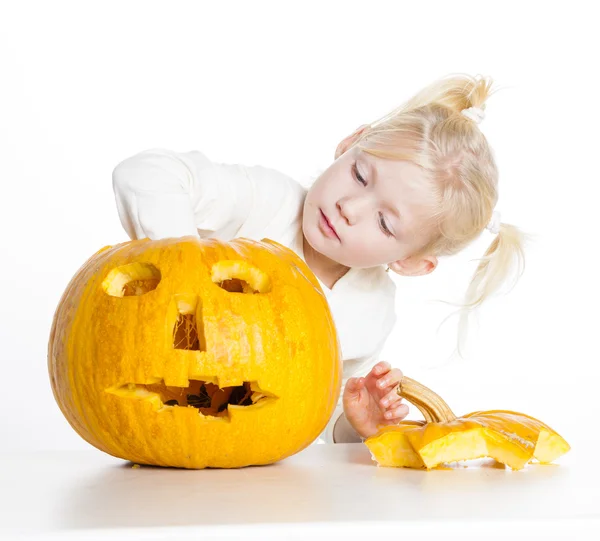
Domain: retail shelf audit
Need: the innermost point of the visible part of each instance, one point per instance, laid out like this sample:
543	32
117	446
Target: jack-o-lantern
195	353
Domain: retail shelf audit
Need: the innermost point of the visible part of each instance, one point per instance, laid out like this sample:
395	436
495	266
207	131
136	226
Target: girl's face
376	207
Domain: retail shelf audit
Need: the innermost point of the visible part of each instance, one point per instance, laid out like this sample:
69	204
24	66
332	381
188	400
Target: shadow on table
339	483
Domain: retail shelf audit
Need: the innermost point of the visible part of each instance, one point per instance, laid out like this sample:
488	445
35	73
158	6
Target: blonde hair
459	169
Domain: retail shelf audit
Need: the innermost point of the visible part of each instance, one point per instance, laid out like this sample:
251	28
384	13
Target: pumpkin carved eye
240	277
134	279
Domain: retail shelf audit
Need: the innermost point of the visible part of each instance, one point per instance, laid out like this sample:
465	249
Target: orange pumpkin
508	437
195	353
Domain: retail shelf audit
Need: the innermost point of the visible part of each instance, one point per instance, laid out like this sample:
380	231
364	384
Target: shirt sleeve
364	365
161	193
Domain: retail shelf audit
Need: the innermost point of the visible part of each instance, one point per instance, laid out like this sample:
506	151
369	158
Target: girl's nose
352	208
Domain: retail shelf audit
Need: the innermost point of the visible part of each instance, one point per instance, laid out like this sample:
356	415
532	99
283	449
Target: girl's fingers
354	385
397	414
390	400
381	368
393	377
351	385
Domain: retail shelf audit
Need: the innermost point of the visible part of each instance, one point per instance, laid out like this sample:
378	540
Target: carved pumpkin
195	353
508	437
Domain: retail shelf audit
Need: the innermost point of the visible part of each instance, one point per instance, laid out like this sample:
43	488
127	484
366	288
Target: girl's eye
358	177
364	183
386	230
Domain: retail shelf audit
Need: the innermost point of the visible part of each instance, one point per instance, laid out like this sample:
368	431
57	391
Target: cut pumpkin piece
392	448
509	437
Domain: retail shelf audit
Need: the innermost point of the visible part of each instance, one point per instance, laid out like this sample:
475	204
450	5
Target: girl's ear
412	267
347	142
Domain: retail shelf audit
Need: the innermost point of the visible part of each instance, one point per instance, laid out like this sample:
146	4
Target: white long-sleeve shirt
161	193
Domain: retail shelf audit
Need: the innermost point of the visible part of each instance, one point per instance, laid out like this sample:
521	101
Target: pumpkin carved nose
188	332
185	333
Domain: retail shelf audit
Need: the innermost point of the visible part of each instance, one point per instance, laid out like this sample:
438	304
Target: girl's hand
372	401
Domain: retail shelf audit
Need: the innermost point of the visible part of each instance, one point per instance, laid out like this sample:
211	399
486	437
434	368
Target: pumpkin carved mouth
206	396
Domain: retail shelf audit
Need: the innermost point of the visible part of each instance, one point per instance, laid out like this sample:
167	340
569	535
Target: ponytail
505	252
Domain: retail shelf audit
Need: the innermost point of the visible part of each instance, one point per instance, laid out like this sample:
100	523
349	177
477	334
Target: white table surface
324	491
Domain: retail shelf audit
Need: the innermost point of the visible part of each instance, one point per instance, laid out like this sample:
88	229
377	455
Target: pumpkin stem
431	405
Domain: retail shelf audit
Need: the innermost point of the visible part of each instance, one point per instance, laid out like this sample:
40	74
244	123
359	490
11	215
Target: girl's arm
343	431
161	193
339	429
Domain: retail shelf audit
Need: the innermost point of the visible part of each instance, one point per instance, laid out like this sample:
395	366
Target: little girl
419	183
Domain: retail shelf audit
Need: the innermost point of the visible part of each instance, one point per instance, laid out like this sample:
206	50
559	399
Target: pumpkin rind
509	437
105	351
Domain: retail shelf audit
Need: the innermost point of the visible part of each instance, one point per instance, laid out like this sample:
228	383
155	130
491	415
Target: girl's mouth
326	226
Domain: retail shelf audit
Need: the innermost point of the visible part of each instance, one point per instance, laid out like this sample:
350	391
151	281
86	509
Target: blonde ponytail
505	253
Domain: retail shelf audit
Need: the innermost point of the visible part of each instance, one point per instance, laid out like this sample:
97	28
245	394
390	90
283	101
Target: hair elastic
494	225
474	113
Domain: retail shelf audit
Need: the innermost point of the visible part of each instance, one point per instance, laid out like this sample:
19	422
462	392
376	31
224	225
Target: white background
84	85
